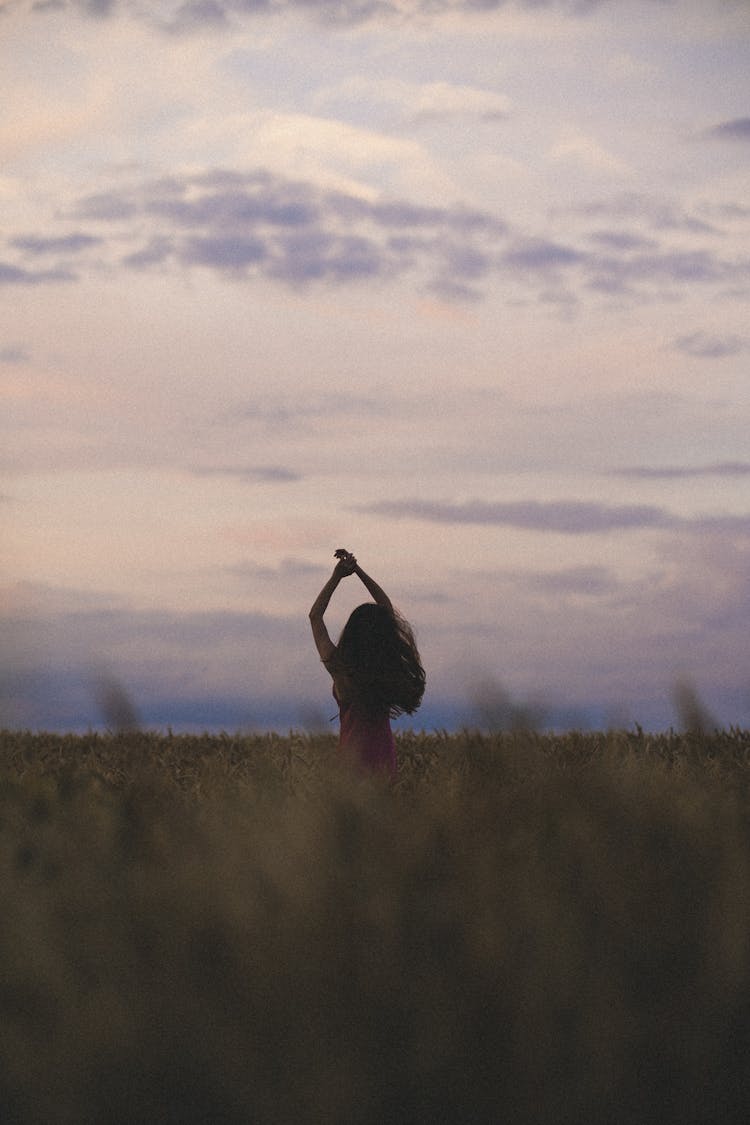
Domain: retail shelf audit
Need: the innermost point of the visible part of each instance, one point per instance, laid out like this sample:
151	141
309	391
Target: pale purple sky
460	287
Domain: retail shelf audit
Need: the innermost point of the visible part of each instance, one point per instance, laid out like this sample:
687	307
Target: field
522	928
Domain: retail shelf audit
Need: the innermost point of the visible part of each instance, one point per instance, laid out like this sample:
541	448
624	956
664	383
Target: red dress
368	738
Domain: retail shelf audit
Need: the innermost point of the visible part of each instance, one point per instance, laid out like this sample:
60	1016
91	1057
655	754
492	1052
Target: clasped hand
347	563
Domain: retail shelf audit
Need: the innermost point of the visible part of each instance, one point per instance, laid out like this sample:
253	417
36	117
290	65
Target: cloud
196	15
727	212
157	250
706	346
563	517
11	274
220	15
668	267
622	241
588	581
259	224
98	8
537	254
14	354
420	103
188	16
249	474
675	248
204	670
287	411
185	16
248	225
657	213
567	517
287	570
729	469
321	255
106	205
738	129
579	148
66	244
442	101
230	253
85	628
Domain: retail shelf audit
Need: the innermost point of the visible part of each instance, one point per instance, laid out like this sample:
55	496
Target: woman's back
363	734
368	738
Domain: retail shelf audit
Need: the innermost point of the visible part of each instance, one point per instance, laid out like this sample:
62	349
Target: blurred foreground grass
524	928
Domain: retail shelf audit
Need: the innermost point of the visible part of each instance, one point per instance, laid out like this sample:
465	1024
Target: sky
459	285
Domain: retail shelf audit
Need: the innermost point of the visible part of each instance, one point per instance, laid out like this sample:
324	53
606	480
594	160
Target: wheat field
522	928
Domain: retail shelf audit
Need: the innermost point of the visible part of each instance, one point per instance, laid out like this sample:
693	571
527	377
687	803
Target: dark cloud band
566	517
737	129
247	225
186	16
726	469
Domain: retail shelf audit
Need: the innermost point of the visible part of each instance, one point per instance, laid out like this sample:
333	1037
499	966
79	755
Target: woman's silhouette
376	670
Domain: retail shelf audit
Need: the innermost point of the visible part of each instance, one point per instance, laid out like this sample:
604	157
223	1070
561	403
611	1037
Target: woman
376	670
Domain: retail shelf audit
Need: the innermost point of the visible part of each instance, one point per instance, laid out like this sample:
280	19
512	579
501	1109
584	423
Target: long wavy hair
380	656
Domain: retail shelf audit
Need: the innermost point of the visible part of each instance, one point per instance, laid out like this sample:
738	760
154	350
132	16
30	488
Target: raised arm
378	594
323	642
